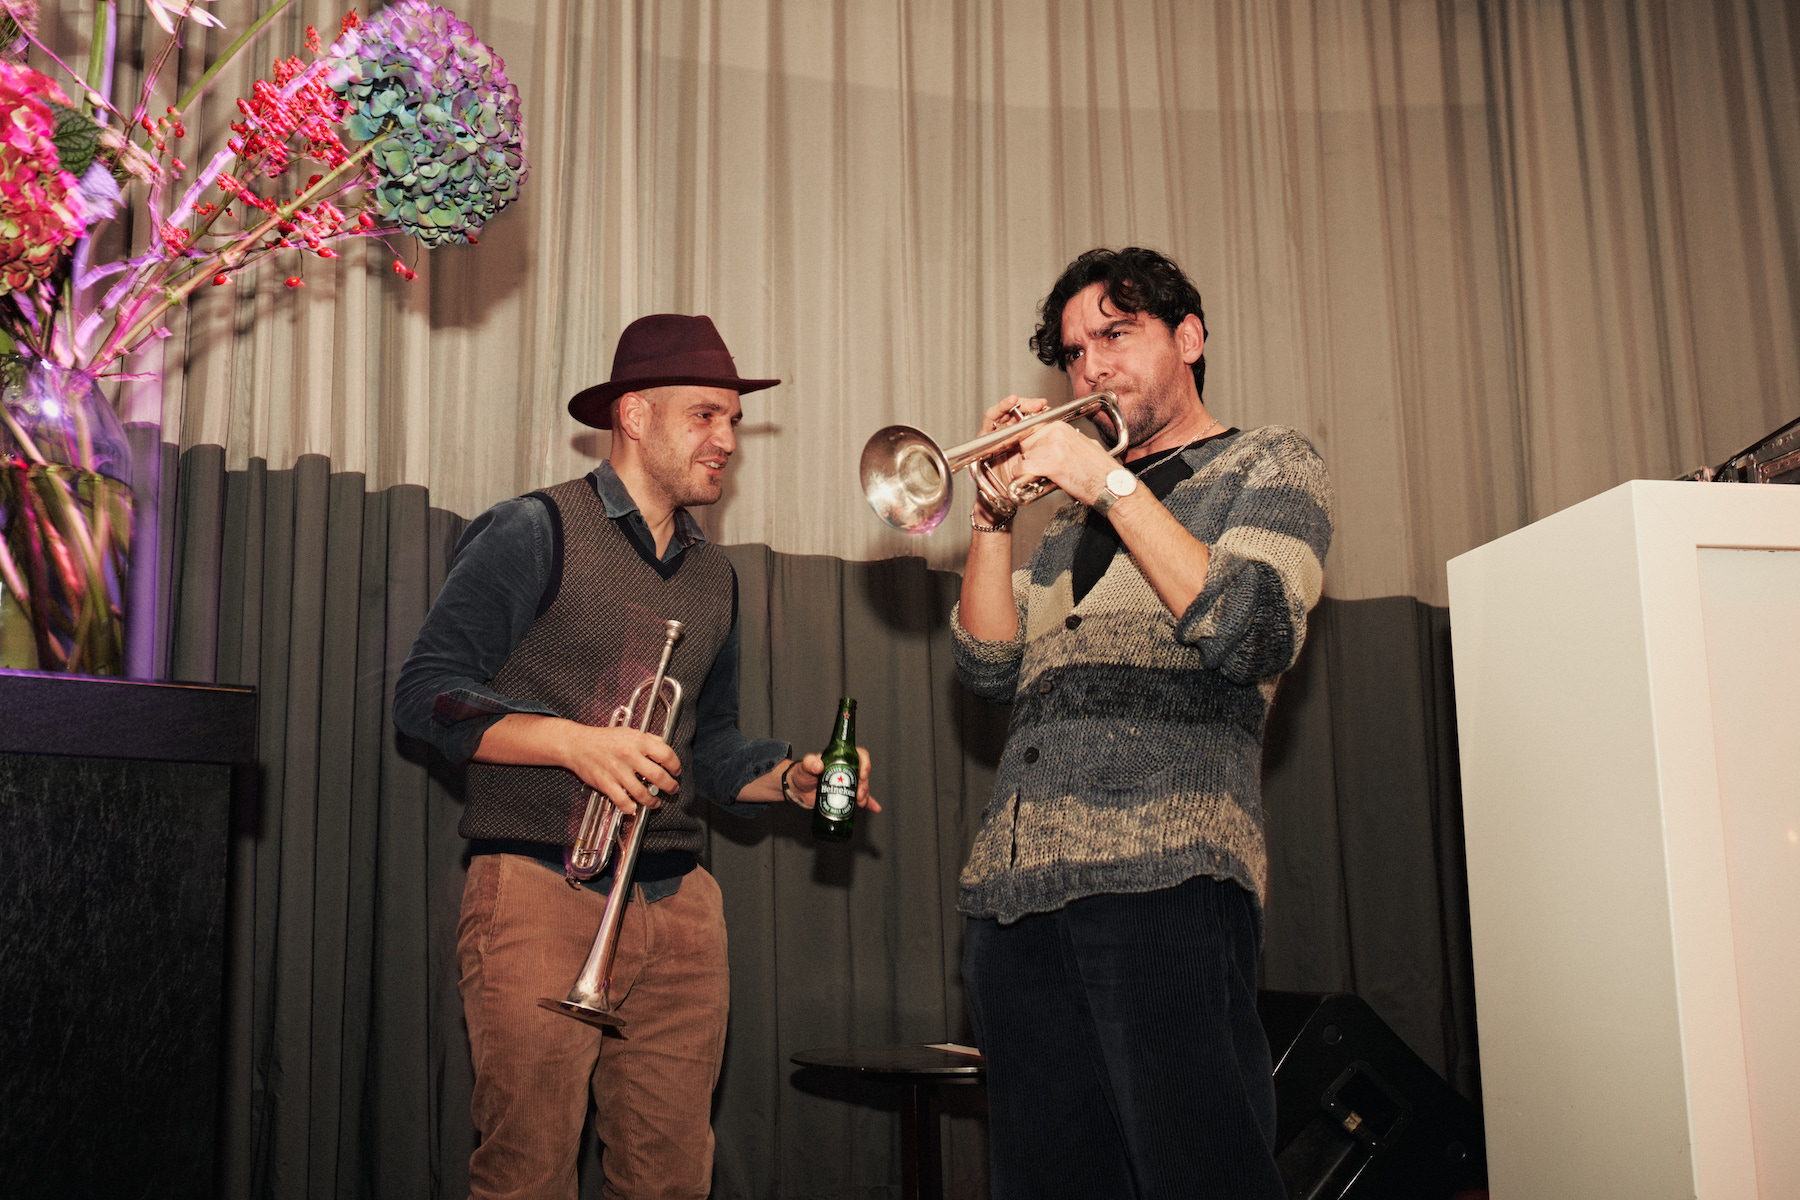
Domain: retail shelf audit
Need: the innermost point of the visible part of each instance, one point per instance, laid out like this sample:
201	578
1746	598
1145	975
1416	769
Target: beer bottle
836	809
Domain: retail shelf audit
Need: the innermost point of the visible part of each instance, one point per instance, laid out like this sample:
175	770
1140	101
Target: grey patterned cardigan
1134	758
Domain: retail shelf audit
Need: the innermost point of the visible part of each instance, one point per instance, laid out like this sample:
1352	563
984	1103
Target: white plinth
1628	708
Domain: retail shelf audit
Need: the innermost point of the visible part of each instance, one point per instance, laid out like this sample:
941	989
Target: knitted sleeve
1267	564
991	669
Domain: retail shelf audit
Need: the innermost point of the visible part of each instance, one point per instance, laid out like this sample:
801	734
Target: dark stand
922	1070
114	817
1359	1116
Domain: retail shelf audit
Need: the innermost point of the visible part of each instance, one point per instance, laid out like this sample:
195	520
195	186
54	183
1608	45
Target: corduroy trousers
523	935
1125	1057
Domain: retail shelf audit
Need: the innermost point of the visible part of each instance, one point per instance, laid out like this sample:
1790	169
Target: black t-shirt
1160	473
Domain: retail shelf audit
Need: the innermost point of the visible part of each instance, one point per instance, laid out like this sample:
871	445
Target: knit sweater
1134	758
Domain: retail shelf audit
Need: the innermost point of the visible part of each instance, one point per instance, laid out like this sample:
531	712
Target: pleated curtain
347	1068
1492	256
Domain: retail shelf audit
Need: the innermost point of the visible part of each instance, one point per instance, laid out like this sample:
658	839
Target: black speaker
1359	1116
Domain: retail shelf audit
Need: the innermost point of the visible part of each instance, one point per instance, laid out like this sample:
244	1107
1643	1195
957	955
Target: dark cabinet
115	815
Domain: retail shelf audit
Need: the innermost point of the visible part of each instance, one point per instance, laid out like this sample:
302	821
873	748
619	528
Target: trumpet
589	997
906	478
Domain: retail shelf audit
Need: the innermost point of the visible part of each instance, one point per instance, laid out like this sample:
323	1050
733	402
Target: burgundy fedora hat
660	351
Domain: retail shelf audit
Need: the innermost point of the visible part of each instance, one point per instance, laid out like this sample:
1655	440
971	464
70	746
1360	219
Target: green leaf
77	138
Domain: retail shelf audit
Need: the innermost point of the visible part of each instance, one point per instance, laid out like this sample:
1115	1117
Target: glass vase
65	523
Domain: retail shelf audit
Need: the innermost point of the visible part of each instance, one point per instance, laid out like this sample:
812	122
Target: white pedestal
1628	708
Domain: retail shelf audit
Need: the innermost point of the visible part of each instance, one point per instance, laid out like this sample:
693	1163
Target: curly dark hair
1136	280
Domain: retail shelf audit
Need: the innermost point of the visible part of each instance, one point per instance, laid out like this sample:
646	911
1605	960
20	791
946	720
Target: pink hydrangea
40	203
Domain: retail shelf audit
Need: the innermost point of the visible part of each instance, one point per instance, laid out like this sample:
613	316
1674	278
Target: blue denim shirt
503	564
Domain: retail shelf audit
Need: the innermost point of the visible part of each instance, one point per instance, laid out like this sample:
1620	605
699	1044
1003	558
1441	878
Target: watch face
1121	482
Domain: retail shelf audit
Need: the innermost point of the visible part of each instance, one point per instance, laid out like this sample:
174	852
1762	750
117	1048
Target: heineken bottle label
837	792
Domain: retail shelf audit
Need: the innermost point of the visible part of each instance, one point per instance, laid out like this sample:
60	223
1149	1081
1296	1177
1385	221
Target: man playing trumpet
1114	892
554	610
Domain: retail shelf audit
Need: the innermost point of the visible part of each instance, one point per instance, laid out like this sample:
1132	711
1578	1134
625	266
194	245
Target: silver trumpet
907	478
588	999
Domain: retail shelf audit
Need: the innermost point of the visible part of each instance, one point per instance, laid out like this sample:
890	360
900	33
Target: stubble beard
1151	415
674	474
678	483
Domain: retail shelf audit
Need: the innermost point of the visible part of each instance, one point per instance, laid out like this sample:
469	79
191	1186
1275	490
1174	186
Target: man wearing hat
554	609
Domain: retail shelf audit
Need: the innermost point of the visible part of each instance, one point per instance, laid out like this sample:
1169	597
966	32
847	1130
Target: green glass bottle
836	810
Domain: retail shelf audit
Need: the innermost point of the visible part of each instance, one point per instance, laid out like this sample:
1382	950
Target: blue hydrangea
454	151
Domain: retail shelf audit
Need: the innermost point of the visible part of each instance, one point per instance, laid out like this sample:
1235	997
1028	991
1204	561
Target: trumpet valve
586	856
1002	499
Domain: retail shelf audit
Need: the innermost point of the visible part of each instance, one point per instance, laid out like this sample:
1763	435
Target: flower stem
244	39
61	516
105	14
35	540
94	98
150	77
227	258
23	439
9	575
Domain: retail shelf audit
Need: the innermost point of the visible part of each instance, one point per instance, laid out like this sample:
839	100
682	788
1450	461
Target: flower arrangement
406	124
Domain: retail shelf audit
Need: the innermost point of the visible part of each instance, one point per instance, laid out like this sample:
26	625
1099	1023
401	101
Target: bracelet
978	527
785	793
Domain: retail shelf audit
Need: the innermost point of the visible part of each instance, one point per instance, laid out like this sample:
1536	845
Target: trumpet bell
582	1012
906	479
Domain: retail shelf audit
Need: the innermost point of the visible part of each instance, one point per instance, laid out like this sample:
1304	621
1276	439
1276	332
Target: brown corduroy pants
523	935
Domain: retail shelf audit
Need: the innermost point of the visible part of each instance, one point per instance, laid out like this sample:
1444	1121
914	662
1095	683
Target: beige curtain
1492	257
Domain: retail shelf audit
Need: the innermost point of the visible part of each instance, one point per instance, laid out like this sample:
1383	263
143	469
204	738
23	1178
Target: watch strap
1107	498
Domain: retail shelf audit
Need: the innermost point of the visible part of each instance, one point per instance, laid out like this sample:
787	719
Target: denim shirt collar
620	506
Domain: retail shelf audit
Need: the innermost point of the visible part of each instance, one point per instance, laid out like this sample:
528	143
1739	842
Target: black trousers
1125	1057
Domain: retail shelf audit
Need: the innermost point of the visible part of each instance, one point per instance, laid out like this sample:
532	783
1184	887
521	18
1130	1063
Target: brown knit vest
601	637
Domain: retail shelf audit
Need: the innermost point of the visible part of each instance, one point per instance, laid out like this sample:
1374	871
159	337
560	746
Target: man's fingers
1062	454
654	765
630	793
663	753
996	415
863	799
635	790
651	774
626	779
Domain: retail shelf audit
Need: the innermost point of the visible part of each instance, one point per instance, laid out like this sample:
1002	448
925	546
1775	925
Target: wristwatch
1120	483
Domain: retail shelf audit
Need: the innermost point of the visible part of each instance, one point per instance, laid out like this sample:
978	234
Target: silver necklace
1177	450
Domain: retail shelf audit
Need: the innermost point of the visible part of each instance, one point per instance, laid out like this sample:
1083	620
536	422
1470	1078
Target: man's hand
803	781
1006	468
1066	457
621	764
